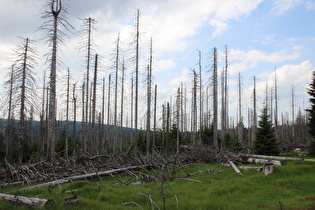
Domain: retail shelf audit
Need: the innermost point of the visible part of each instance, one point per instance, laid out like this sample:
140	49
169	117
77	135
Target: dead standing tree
10	128
86	44
54	18
194	107
149	93
116	93
215	97
137	61
23	88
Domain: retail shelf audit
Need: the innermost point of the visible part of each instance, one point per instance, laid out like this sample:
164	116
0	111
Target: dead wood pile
60	168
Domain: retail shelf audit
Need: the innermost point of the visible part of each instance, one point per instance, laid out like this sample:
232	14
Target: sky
262	36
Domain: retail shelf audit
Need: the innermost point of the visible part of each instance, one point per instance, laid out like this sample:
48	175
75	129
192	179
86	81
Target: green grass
291	186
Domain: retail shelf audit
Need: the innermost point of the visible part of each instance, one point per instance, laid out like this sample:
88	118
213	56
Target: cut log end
268	168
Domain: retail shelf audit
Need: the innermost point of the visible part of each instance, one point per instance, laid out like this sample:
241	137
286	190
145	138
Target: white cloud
163	65
183	77
298	75
250	59
219	26
281	6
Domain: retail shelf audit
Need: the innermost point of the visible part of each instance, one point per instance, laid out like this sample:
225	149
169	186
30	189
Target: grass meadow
291	186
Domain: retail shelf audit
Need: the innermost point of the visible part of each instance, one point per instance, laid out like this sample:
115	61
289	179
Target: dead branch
150	199
238	172
131	202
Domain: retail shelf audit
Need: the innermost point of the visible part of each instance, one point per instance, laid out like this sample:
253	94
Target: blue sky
261	35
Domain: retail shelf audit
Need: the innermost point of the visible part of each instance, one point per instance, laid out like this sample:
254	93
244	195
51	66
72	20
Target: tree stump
268	168
71	201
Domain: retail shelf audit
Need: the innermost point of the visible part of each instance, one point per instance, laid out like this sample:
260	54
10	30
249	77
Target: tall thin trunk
200	98
116	92
51	135
276	103
194	108
131	108
67	115
9	129
74	99
293	111
135	143
178	118
22	132
83	129
108	114
167	143
255	111
43	119
103	118
154	118
87	85
240	116
225	92
149	86
215	99
122	103
93	144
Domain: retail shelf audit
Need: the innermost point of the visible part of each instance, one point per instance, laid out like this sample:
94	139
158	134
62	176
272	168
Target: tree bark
29	201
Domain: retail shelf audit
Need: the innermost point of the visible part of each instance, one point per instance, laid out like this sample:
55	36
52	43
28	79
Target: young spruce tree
311	110
266	142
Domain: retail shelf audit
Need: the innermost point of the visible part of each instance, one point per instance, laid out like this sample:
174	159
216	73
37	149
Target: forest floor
186	186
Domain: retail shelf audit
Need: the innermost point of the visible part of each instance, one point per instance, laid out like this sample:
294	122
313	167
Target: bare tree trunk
122	104
9	129
178	118
83	129
240	116
167	143
43	120
154	118
225	91
22	134
215	99
93	144
276	103
116	95
255	112
200	98
149	87
194	107
51	135
74	98
131	109
293	112
103	118
108	114
67	115
135	143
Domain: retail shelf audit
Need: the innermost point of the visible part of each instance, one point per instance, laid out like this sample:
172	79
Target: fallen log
257	168
278	157
235	168
256	160
29	201
82	177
